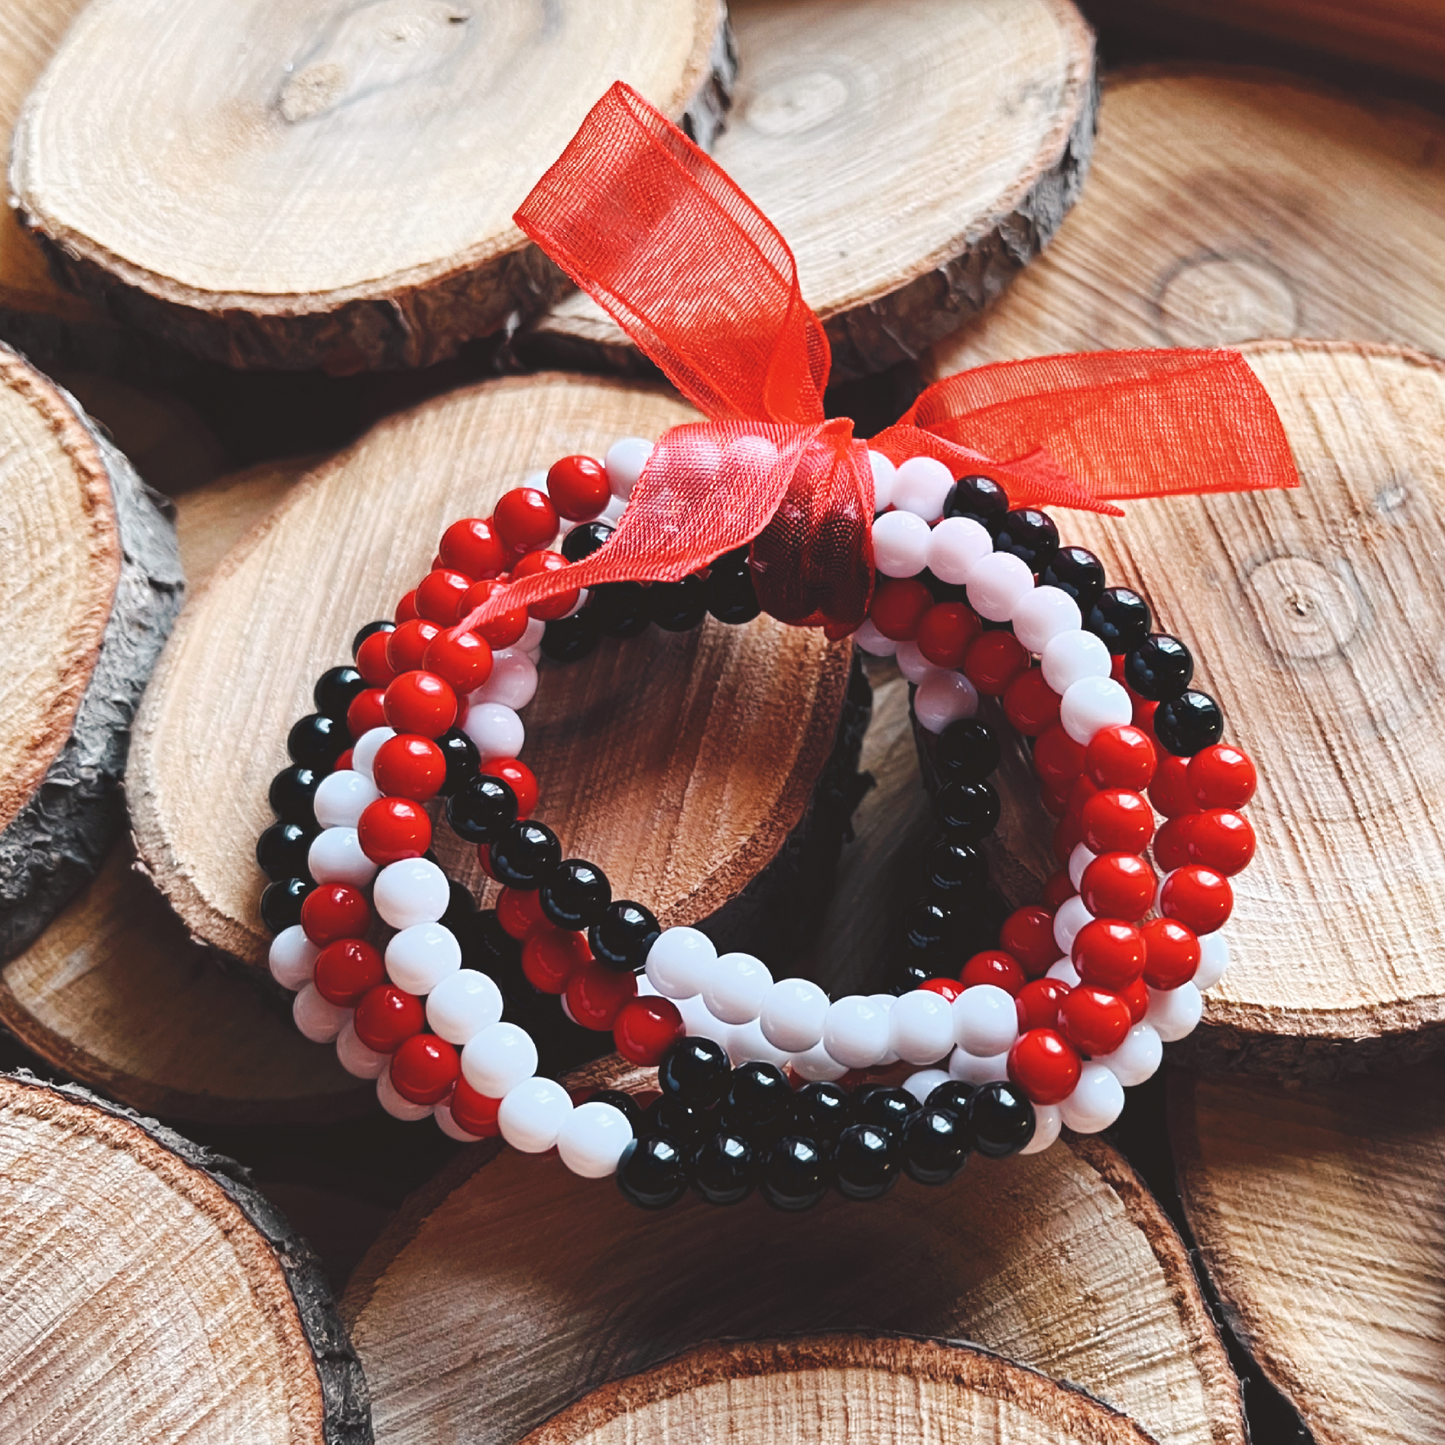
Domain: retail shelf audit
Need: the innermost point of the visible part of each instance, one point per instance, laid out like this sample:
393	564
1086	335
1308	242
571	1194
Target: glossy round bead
624	463
418	958
316	1018
1120	619
921	485
581	542
1002	1120
1120	757
936	1145
678	962
483	811
532	1115
1108	953
518	777
440	593
292	793
1116	820
476	1113
794	1174
391	829
495	730
1070	656
406	647
624	935
281	850
1092	704
1137	1058
370	630
409	766
819	1110
757	1097
292	958
347	970
420	702
1058	759
578	487
1118	885
1073	914
1029	534
595	996
386	1016
463	660
505	629
1169	792
334	910
592	1138
979	497
550	957
955	546
997	585
920	1027
336	856
993	966
731	597
855	1032
525	519
900	544
363	753
1221	776
724	1168
899	606
883	473
1043	615
645	1028
1097	1100
463	1004
673	1120
335	690
944	698
1190	723
694	1071
472	546
1048	1121
1220	839
570	639
866	1161
792	1014
412	891
1213	960
367	711
967	750
316	741
424	1068
575	894
993	661
1044	1065
358	1060
651	1172
985	1021
1038	1003
525	855
1030	704
1078	572
1094	1020
955	870
1028	934
499	1058
912	663
968	812
397	1106
1174	1013
946	633
535	564
1136	996
1159	669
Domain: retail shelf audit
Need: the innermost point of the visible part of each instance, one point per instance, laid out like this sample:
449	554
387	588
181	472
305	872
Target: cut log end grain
157	1294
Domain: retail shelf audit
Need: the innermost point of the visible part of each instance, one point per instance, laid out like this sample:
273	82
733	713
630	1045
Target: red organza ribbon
703	283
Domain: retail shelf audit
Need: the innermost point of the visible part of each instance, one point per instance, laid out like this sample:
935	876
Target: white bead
513	682
793	1014
920	1027
1080	859
498	1059
395	1105
412	891
855	1032
913	664
363	755
1047	1123
971	1070
699	1022
449	1126
997	584
420	957
679	961
985	1020
746	1044
735	986
817	1063
1173	1012
496	730
942	698
531	638
355	1057
462	1005
921	486
924	1082
885	1001
1043	615
1073	914
624	461
1063	969
1072	655
592	1139
342	797
1213	960
1138	1057
955	546
335	856
532	1115
1097	1100
1093	704
873	642
319	1020
883	473
292	958
900	544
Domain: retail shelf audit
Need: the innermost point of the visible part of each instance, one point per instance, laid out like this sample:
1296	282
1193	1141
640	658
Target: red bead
519	778
595	995
1044	1066
476	1113
1115	820
1118	885
406	609
533	565
391	829
343	763
504	629
1137	997
367	711
1170	792
408	766
372	661
1038	1003
420	702
1058	890
424	1069
1083	789
346	970
1030	704
1197	897
519	911
1108	953
1171	842
1144	715
1058	759
1120	757
460	658
578	488
1221	777
1222	840
646	1028
386	1017
1094	1020
473	547
406	647
332	911
550	956
993	662
1055	800
1068	834
1028	934
899	607
994	966
945	633
439	595
526	519
1171	953
946	988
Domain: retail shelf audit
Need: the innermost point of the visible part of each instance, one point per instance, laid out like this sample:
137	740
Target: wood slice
89	586
300	185
839	1387
942	143
1226	205
151	1294
509	1287
1319	1216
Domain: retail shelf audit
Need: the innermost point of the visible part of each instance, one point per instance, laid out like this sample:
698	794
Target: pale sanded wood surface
681	764
508	1287
1318	1212
149	1295
292	185
829	1389
942	144
1226	205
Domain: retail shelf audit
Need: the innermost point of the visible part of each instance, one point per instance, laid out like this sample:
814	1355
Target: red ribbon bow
703	283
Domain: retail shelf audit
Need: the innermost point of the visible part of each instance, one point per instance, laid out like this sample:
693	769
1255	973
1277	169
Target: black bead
925	926
724	1168
366	632
967	750
525	854
316	741
694	1070
1002	1120
651	1174
624	935
865	1161
482	810
954	870
1191	722
968	812
570	639
460	907
462	759
574	894
731	597
794	1174
282	850
954	1095
820	1110
883	1105
620	608
1119	619
1030	535
1078	572
909	975
583	541
292	791
1159	669
336	689
487	946
673	1119
936	1145
758	1095
980	498
677	606
624	1103
281	903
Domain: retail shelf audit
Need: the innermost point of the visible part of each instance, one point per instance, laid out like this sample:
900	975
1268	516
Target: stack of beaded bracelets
1009	1016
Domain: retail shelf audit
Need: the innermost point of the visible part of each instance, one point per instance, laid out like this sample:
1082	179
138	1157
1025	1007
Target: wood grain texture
299	185
509	1287
1318	1213
942	146
829	1389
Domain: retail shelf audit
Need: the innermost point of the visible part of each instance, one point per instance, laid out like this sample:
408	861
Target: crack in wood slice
306	185
829	1389
152	1295
943	146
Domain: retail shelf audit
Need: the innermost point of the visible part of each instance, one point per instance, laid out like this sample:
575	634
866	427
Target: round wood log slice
682	764
839	1387
89	587
299	185
942	145
509	1287
151	1295
1317	1211
1226	205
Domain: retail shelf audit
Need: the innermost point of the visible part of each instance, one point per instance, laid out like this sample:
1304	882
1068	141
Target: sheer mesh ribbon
703	283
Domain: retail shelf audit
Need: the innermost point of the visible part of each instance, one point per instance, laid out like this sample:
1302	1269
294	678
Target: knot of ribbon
705	285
